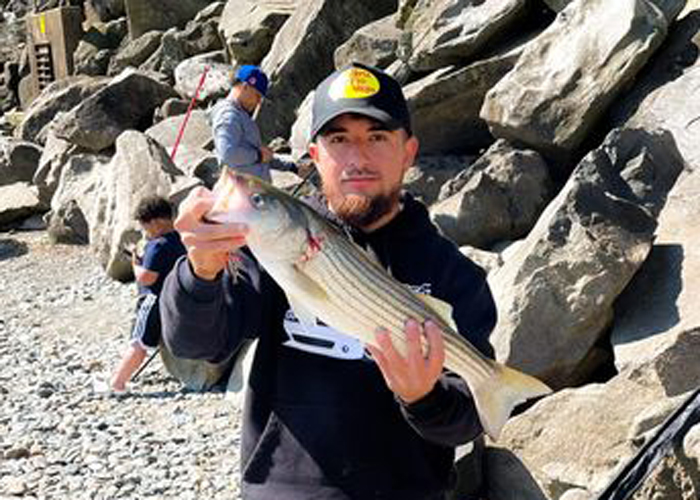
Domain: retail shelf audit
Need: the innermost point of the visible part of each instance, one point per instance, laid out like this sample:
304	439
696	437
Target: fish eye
257	200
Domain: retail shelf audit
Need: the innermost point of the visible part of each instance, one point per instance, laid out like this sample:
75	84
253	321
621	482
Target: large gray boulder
498	198
139	167
660	303
660	96
147	15
135	52
96	196
555	292
443	32
18	160
59	97
445	104
429	174
18	201
375	44
192	156
73	204
196	134
566	79
217	82
56	153
104	10
168	55
249	27
302	55
127	102
200	37
97	46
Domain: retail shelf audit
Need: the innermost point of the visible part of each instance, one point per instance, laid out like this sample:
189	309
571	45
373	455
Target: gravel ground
63	326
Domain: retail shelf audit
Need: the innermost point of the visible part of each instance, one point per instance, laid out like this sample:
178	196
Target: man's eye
337	139
378	137
257	200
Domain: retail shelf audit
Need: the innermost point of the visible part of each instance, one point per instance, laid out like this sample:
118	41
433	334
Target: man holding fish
373	361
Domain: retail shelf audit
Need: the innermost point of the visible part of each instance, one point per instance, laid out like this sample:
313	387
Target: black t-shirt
160	256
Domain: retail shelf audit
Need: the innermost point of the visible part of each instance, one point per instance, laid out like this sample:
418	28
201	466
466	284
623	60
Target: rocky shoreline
63	325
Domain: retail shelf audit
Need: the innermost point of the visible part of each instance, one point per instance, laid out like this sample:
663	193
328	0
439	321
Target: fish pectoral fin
305	289
442	308
305	317
306	286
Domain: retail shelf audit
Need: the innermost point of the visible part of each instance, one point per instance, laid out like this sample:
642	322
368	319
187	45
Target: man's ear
411	148
313	151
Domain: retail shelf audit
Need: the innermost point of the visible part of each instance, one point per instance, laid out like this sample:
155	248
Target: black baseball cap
360	89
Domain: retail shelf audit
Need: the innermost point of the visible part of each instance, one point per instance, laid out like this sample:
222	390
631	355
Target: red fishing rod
181	132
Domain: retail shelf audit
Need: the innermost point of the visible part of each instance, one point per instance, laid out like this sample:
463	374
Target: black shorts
146	328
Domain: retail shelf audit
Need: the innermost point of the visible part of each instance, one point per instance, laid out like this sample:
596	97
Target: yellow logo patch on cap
354	83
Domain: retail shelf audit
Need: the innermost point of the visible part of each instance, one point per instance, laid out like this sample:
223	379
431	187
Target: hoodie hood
412	222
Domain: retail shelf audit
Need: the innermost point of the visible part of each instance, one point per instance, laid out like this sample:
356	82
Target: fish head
276	222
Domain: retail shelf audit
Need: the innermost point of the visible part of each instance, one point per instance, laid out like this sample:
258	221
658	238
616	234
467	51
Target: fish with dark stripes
328	277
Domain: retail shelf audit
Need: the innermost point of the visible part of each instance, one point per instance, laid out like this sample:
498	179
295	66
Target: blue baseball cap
254	76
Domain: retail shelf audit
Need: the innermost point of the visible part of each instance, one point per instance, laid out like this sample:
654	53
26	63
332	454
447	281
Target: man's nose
358	154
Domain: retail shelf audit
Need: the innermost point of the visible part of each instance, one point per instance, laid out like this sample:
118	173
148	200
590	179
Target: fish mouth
232	192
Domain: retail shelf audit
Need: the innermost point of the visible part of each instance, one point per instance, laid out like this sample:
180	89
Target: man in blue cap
236	136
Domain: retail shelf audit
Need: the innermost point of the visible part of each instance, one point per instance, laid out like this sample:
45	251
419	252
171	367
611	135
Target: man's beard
361	210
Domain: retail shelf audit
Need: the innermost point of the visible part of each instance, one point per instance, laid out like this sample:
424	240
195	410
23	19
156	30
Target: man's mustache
355	172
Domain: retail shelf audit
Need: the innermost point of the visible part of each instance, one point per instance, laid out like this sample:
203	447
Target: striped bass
327	276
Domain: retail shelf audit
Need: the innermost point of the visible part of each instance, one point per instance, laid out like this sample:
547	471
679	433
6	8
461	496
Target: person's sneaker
100	385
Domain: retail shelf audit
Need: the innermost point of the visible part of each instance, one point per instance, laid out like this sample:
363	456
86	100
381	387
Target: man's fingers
414	349
387	346
208	244
214	232
223	244
381	360
436	351
197	203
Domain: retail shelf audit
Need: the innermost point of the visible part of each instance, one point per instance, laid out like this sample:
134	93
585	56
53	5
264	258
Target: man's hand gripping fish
328	277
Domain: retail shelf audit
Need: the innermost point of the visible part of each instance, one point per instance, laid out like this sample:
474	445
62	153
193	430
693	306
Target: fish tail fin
500	393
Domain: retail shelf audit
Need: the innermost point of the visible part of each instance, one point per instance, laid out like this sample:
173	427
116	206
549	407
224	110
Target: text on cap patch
354	83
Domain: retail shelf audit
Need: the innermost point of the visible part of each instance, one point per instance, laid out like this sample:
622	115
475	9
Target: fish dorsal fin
371	255
442	308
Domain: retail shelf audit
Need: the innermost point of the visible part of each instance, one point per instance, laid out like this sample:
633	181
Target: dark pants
469	468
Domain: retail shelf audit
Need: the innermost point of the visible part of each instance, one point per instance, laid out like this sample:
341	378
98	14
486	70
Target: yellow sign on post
42	24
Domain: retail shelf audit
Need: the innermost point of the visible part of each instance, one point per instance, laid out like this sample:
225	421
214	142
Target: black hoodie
320	426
